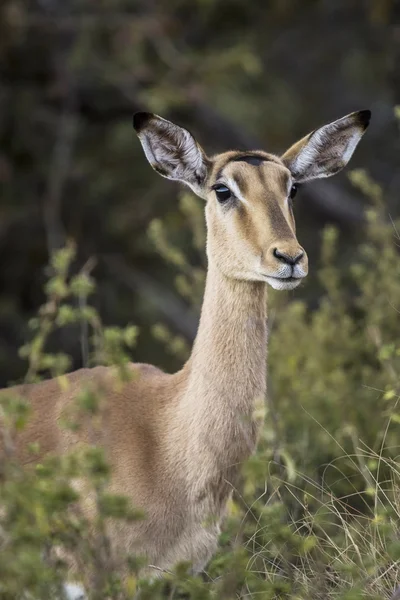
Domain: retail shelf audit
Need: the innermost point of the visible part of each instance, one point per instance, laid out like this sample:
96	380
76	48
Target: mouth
285	278
283	283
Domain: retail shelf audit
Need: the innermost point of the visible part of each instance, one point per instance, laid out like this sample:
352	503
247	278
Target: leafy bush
317	512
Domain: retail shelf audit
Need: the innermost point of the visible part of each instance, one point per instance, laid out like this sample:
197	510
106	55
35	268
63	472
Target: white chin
283	284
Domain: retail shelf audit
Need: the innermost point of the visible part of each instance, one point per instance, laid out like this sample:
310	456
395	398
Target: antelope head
249	211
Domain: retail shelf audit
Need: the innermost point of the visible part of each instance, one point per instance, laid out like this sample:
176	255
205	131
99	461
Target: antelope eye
293	191
223	193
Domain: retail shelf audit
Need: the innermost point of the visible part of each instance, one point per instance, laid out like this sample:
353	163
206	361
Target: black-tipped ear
328	149
364	117
140	119
172	151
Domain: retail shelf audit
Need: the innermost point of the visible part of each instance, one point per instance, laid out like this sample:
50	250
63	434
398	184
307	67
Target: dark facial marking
219	174
249	157
254	160
241	182
278	220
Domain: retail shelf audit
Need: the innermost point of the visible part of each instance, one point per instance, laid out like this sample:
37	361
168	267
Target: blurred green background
238	74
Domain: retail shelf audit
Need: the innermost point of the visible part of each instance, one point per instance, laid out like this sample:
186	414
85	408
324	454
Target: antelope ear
326	150
172	151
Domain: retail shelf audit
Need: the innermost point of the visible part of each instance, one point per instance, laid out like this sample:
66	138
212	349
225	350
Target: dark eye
223	193
293	191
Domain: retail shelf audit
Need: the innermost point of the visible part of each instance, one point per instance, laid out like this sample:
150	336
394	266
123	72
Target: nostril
298	257
278	254
286	258
282	256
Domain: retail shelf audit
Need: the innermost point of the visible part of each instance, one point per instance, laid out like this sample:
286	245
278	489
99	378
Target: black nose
286	258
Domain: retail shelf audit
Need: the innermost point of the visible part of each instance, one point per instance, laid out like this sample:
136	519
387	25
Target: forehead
250	169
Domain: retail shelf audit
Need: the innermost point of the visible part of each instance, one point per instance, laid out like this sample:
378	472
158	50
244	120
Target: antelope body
175	442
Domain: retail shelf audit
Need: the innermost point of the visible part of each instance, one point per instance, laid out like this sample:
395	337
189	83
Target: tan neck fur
226	374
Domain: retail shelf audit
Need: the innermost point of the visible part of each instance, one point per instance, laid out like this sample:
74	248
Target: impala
176	442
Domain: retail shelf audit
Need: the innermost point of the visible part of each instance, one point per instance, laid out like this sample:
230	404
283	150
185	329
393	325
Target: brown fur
176	442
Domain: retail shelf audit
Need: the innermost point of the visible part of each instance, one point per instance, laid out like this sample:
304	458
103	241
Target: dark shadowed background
238	74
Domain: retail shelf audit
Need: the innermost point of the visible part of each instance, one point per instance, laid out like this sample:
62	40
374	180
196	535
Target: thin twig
165	571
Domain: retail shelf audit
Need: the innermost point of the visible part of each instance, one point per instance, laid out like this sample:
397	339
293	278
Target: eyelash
293	191
222	192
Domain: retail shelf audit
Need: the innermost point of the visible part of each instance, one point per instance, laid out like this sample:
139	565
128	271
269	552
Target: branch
57	180
66	134
167	303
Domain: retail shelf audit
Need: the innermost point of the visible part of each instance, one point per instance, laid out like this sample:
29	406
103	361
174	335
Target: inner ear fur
172	151
326	150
